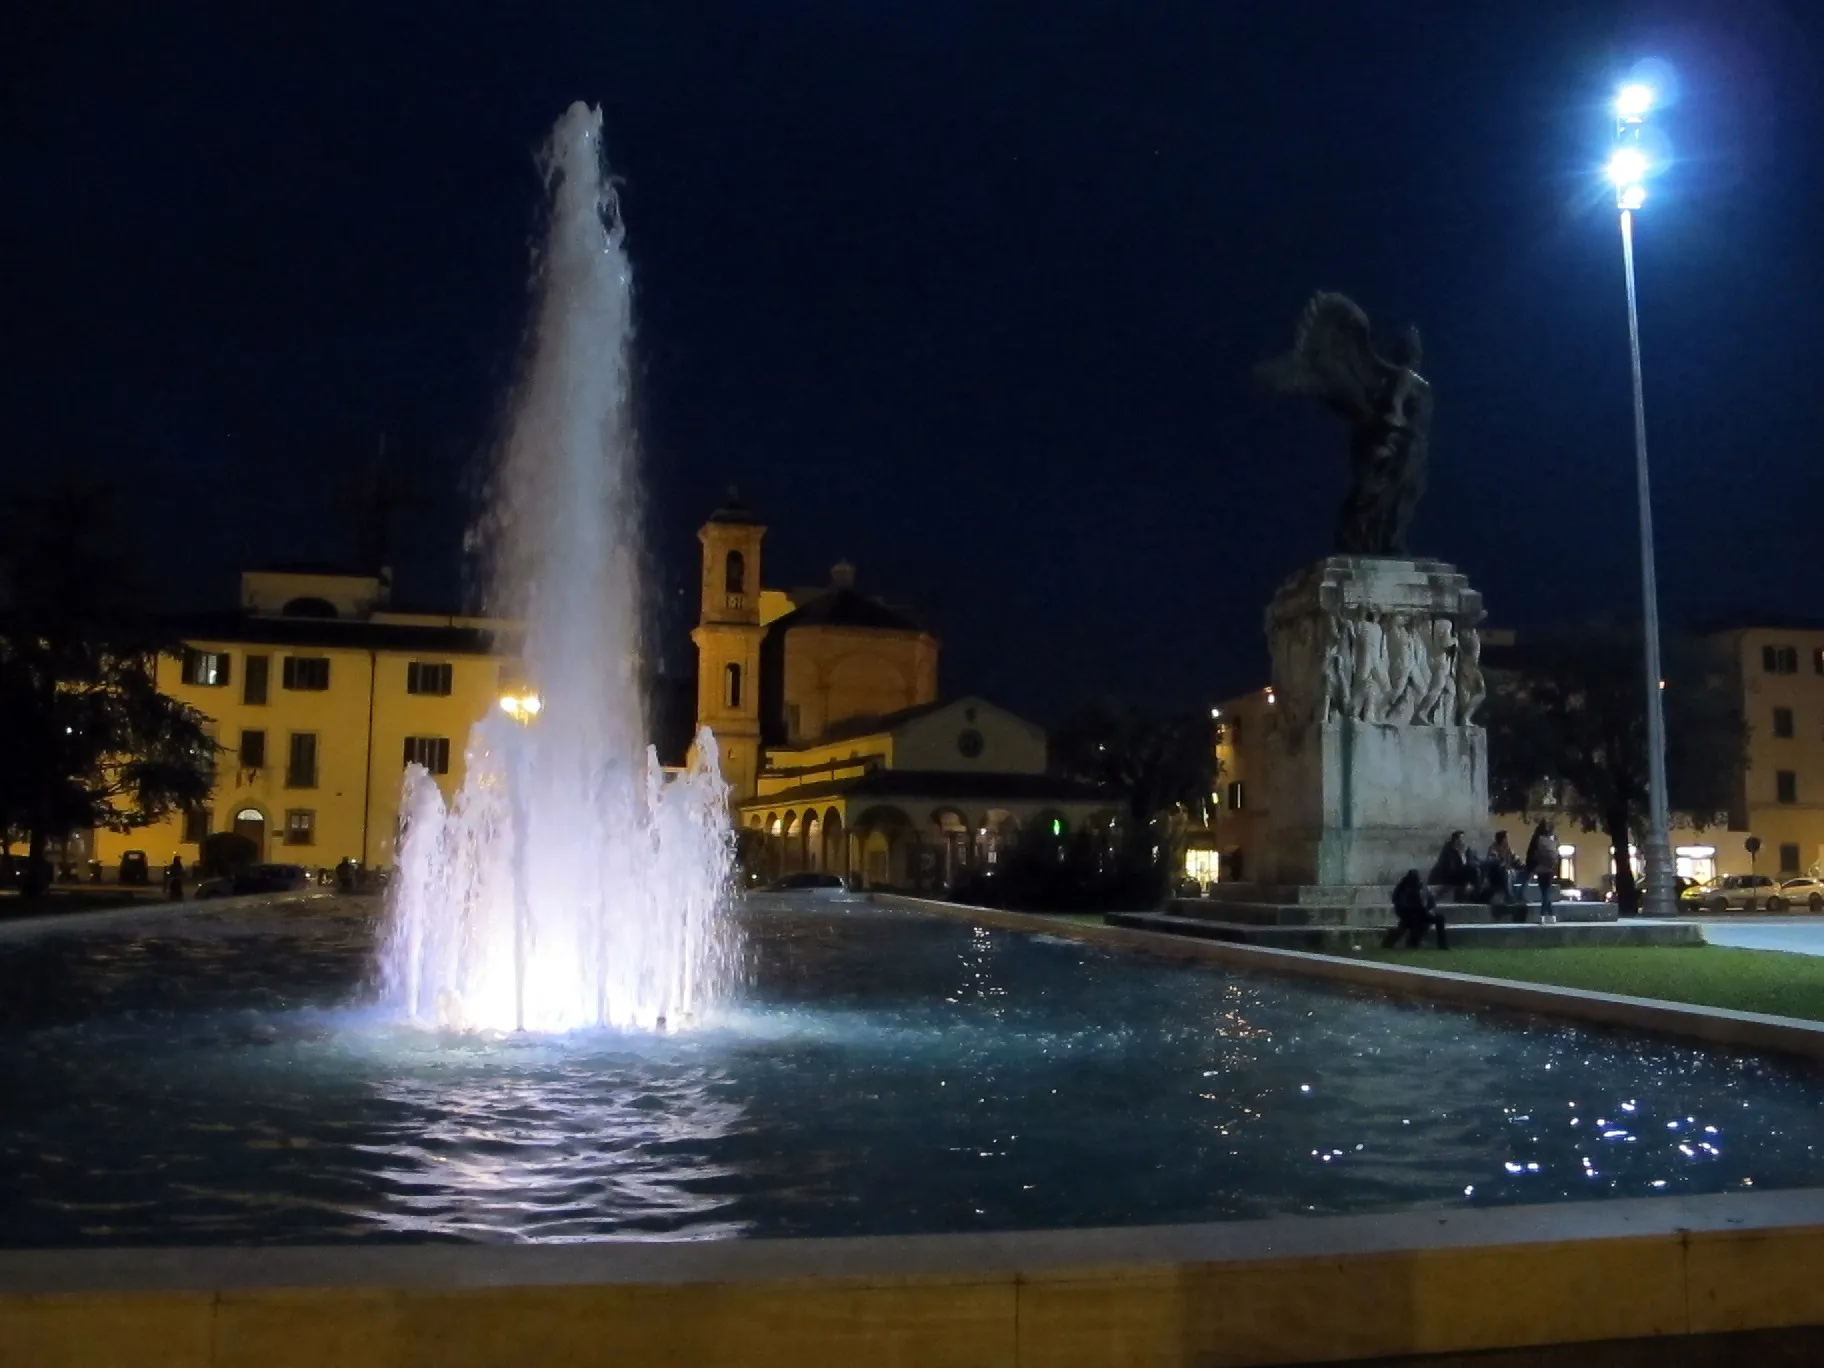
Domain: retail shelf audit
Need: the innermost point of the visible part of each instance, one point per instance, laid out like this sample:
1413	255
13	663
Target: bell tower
727	636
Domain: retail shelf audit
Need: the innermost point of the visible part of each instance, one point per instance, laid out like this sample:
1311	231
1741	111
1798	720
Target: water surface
216	1078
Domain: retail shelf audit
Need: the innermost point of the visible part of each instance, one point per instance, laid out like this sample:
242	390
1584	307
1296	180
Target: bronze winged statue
1386	403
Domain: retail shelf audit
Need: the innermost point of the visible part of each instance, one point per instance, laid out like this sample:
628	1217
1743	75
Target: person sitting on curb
1417	910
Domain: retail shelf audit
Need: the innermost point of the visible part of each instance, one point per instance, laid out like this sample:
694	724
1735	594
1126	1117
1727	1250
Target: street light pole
1628	169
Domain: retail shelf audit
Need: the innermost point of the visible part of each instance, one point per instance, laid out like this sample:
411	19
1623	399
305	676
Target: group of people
1499	879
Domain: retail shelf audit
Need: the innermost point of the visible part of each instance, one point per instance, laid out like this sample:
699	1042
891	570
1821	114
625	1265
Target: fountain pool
220	1078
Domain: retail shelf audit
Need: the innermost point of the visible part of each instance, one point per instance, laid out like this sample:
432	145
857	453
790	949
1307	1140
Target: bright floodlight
1628	167
1633	101
1632	196
521	707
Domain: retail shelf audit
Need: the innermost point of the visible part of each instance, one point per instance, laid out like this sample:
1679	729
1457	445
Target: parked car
821	885
1806	891
1732	893
134	868
265	878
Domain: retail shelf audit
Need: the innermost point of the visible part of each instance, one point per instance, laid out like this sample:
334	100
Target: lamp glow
1633	101
1632	196
1628	167
521	707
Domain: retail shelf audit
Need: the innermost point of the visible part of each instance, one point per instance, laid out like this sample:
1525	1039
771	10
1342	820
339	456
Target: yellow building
319	694
776	668
1779	675
837	751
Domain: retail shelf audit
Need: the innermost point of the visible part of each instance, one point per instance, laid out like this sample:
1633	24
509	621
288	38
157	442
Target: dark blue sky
966	292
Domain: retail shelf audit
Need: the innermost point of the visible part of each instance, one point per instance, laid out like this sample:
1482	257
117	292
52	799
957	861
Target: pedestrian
1541	868
174	879
1417	909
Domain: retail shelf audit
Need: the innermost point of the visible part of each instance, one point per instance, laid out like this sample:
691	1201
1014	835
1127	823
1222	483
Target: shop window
1789	857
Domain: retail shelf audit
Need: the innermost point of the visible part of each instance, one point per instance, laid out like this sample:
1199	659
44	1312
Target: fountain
569	884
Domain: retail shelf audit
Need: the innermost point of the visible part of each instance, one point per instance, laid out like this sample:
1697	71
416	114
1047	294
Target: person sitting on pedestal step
1498	873
1455	870
1417	909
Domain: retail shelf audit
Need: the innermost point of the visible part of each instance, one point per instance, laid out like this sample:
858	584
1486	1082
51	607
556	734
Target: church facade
839	754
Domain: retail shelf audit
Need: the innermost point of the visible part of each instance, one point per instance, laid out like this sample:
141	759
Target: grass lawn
1710	975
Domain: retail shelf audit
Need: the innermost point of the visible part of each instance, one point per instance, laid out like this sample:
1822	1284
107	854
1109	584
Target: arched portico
882	834
835	844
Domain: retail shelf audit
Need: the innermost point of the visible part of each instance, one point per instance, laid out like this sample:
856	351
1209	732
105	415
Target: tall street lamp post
1628	168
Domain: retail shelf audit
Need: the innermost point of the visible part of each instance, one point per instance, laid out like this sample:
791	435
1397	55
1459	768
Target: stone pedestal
1376	753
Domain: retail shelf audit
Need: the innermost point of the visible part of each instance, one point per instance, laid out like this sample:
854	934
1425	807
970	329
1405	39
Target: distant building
824	705
1778	678
319	694
1779	797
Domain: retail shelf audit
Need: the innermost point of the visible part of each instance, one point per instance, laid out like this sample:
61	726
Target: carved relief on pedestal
1338	654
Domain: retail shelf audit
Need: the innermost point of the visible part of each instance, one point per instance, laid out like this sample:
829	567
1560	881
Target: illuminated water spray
568	884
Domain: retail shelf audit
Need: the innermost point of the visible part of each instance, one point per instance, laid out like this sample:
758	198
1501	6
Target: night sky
965	292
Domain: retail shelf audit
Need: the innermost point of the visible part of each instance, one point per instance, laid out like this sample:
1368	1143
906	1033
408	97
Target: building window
1786	786
1236	796
307	673
1789	857
1782	722
794	718
253	749
734	574
300	827
253	688
207	668
434	677
731	686
1817	660
301	765
1232	730
433	752
196	826
1780	659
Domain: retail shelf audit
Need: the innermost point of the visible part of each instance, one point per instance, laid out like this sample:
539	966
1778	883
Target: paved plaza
1797	935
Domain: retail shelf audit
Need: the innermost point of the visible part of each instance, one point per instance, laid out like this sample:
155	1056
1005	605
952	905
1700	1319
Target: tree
1569	714
86	738
1163	764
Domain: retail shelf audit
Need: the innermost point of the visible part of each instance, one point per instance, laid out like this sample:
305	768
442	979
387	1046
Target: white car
1733	893
1806	892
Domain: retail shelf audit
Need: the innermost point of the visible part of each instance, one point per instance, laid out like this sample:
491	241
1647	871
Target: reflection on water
542	1141
218	1079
